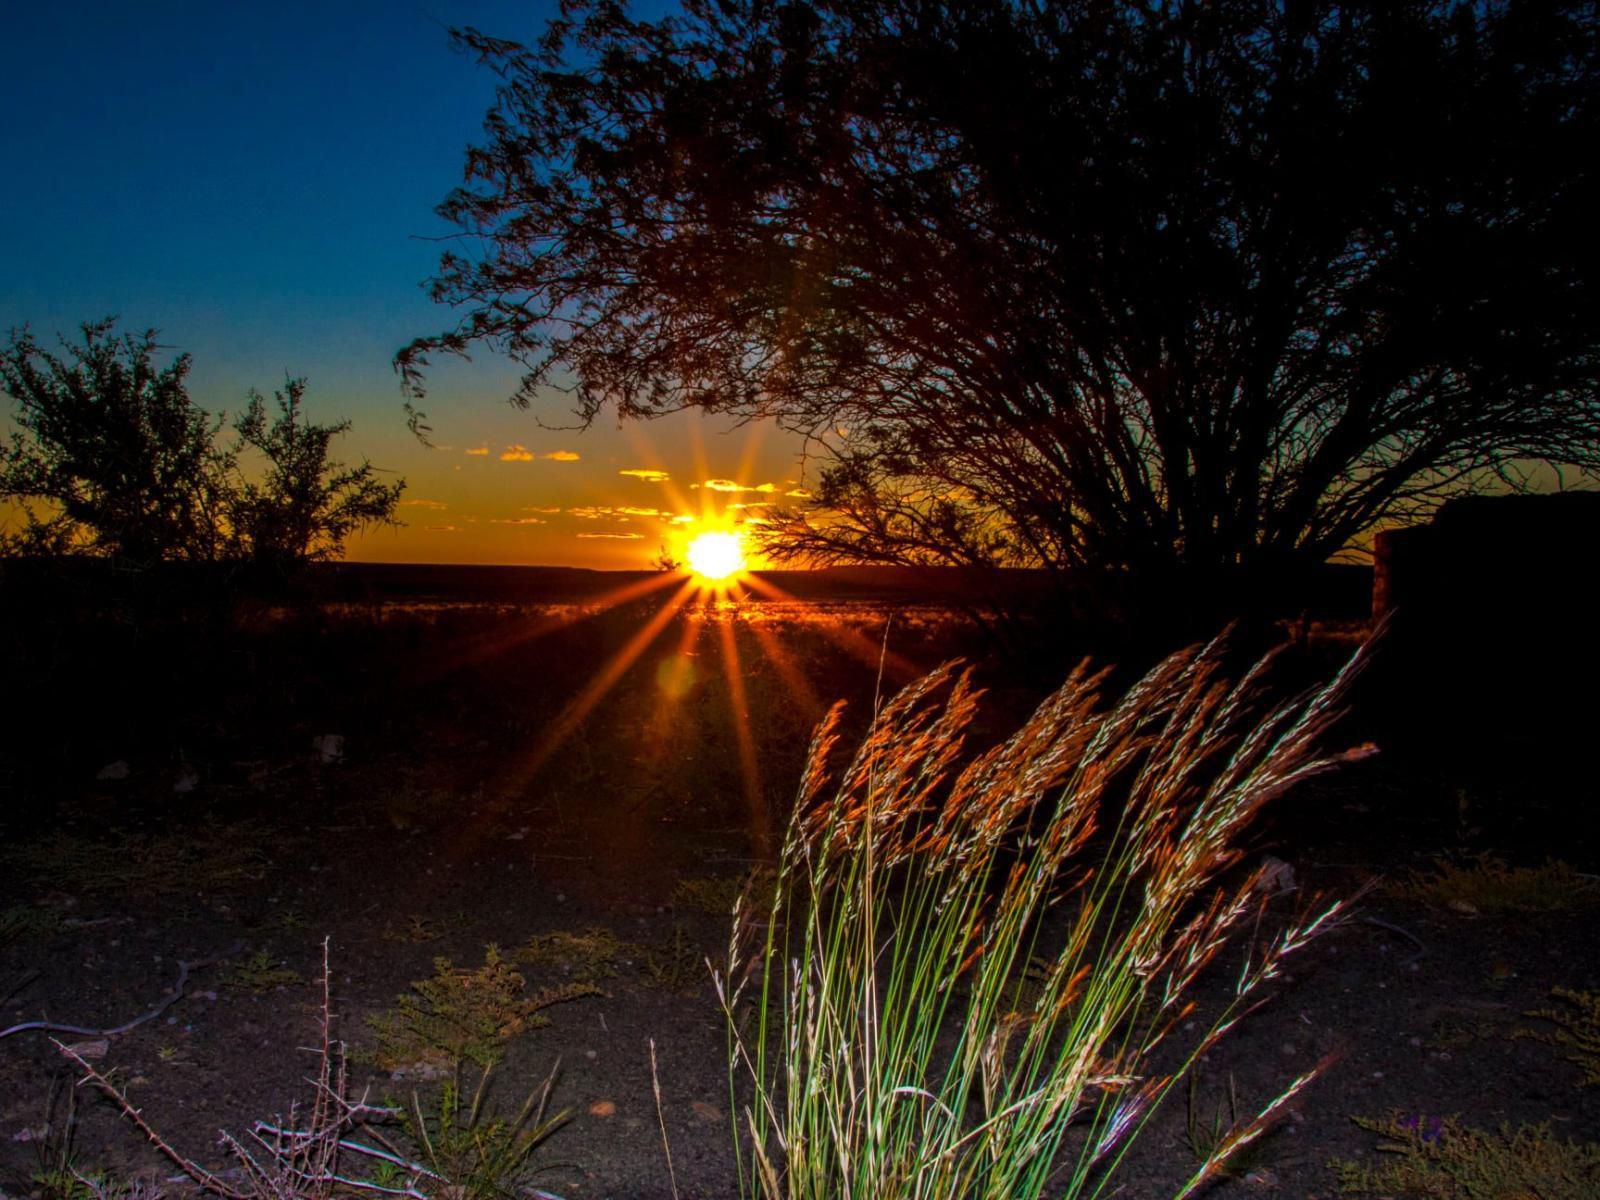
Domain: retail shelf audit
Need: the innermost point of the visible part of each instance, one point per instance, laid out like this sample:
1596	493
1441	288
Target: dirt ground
448	824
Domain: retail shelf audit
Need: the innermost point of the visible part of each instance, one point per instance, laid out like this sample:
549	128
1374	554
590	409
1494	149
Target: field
414	773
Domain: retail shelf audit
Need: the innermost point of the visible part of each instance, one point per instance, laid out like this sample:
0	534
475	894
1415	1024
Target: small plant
415	931
261	973
1441	1159
210	857
470	1154
464	1014
1578	1030
718	895
675	966
24	921
590	956
1487	885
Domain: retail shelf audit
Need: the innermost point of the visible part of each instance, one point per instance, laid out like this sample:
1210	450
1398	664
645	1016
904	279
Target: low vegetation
463	1014
1442	1159
1488	885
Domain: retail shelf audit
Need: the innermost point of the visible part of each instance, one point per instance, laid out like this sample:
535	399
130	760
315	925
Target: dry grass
889	1028
1487	885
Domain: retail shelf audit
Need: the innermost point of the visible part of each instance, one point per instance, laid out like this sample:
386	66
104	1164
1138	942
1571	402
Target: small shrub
464	1014
261	973
1487	885
1441	1159
590	956
1578	1030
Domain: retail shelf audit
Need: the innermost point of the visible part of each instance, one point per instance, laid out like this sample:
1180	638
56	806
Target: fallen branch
184	968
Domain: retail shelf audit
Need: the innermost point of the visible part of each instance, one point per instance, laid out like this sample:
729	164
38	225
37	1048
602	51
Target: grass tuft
967	971
1487	885
207	857
1441	1159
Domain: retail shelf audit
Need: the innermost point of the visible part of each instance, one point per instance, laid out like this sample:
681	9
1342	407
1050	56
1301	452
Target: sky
257	182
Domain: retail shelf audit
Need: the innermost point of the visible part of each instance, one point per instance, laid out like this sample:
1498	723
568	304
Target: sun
716	557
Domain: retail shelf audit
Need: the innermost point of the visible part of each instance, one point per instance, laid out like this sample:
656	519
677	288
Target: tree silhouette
126	465
305	504
1157	286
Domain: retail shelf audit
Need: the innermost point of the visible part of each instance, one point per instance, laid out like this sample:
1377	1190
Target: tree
1156	286
305	505
126	465
111	443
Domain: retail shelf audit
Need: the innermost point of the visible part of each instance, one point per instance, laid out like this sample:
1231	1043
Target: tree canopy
126	465
1148	286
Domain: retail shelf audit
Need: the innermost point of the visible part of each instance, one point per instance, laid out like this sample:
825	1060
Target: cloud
683	519
440	529
534	508
799	494
648	474
516	454
517	521
478	451
728	485
750	504
436	505
629	510
621	537
562	456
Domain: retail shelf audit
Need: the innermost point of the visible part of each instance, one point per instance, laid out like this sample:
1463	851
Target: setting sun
716	556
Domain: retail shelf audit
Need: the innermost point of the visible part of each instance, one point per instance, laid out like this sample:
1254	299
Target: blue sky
258	183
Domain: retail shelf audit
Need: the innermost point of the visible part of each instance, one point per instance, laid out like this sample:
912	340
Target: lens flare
716	556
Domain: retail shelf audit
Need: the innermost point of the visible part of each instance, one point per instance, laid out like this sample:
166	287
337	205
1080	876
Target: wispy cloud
517	521
799	494
440	529
621	537
562	456
535	508
729	485
436	505
516	454
648	474
477	451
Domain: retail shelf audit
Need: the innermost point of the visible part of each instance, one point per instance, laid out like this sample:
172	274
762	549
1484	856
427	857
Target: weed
1487	885
590	956
208	857
718	895
1578	1030
1442	1159
470	1154
888	1053
677	965
464	1014
25	921
417	930
285	920
261	973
